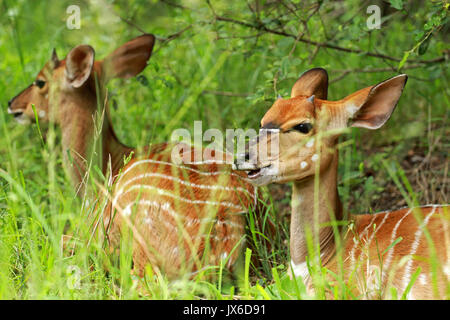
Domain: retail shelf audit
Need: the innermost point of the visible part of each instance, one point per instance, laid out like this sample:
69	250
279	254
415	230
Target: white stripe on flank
168	194
226	238
183	182
158	205
205	173
415	245
390	253
423	279
355	243
167	208
378	228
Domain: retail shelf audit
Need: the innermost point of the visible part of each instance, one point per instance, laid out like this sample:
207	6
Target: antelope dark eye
39	83
303	127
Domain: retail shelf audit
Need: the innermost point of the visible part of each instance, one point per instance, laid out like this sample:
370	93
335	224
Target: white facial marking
310	143
41	113
303	165
314	157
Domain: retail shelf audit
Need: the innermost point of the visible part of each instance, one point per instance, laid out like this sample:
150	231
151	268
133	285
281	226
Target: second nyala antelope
307	127
183	216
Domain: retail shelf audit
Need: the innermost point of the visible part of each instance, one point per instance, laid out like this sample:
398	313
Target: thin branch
342	76
175	35
226	93
176	5
322	44
130	23
164	39
346	72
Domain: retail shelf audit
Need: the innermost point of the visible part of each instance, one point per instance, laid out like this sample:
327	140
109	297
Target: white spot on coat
310	143
303	164
314	157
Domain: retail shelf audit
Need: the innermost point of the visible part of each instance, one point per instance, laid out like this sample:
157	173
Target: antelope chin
262	176
22	119
19	116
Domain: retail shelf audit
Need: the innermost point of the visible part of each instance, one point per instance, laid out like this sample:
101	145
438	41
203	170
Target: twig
176	5
225	93
322	44
174	35
346	72
132	24
342	76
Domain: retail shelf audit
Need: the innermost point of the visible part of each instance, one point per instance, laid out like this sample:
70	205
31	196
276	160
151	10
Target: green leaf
424	46
404	59
397	4
411	282
268	74
392	245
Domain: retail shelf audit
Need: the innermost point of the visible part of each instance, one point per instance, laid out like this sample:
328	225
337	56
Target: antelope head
306	127
75	80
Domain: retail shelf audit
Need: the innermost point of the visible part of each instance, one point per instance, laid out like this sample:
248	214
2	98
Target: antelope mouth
256	173
258	176
15	113
19	116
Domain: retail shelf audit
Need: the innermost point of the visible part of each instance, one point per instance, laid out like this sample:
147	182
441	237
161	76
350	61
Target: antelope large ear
312	82
371	107
79	64
129	59
54	61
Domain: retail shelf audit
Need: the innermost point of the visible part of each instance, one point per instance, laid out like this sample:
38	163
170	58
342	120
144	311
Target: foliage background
223	62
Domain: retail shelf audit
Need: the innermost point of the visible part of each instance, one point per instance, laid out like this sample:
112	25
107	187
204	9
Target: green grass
180	85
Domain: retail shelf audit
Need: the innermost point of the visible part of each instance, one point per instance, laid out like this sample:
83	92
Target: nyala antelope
182	216
307	127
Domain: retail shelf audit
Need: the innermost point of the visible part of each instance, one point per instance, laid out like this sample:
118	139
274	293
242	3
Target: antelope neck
302	216
78	137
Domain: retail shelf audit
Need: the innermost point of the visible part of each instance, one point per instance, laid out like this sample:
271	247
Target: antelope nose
10	102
